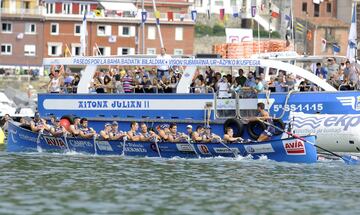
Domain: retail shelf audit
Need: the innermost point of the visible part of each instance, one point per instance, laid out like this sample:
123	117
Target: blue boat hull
285	150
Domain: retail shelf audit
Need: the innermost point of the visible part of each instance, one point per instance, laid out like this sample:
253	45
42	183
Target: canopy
118	6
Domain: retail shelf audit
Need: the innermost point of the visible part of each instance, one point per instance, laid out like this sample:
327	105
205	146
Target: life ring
255	128
278	123
68	117
236	125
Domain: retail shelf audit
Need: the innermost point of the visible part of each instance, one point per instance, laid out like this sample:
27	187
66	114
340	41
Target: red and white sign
294	147
54	141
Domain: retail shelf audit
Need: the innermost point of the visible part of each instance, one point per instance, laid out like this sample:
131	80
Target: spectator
250	81
259	87
128	83
332	67
241	79
173	84
320	71
164	69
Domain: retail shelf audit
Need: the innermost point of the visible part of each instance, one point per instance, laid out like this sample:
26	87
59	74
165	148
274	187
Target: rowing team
164	132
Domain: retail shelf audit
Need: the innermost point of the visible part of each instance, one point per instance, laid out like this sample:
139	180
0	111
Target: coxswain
38	124
264	116
105	134
57	130
175	136
189	131
197	136
229	136
133	133
209	137
115	134
85	131
75	127
147	135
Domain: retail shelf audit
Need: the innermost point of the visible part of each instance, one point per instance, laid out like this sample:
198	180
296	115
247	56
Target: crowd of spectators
154	80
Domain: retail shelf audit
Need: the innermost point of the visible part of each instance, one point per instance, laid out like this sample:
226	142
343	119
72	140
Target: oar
157	147
188	140
347	158
95	150
124	142
233	151
66	143
38	140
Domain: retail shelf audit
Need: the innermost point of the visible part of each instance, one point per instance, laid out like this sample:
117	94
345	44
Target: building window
198	3
179	33
127	31
30	28
151	51
50	8
219	3
29	50
125	51
67	8
75	49
104	30
6	27
328	7
304	7
26	5
151	33
316	10
178	51
77	29
83	8
103	51
233	3
54	28
6	49
54	49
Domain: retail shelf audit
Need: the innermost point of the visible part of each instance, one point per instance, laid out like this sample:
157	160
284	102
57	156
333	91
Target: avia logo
294	147
352	101
54	141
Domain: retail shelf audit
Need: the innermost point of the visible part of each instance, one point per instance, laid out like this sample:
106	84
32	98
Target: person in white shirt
163	69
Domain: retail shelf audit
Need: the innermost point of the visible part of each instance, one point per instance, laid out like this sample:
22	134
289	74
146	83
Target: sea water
40	183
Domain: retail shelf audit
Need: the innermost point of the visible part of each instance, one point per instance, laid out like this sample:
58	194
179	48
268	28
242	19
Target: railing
22	11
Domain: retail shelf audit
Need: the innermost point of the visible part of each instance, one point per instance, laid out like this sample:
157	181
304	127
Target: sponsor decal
184	147
27	138
294	147
260	148
80	143
352	101
104	146
13	132
54	141
225	150
203	149
133	147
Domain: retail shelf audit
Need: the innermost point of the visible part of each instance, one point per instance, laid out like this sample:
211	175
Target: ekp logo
352	101
294	147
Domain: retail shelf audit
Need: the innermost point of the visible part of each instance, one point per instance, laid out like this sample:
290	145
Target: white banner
238	35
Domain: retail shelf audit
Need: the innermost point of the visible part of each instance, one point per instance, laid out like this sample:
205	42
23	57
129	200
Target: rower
133	133
75	128
175	136
85	131
38	124
197	136
229	136
147	135
57	130
210	137
189	130
115	134
105	134
163	131
264	115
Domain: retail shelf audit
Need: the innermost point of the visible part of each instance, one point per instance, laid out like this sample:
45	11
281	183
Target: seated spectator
38	124
108	84
74	128
156	86
138	86
98	82
85	131
115	134
105	133
75	83
229	136
165	84
223	88
133	133
57	130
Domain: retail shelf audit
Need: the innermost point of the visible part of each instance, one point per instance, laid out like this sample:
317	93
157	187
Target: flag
262	7
222	14
299	27
323	44
193	15
235	12
274	11
351	48
97	12
288	18
157	16
253	11
170	16
208	13
83	36
182	17
309	35
143	16
336	48
67	51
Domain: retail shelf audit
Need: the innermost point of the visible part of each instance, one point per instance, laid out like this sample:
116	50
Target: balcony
21	11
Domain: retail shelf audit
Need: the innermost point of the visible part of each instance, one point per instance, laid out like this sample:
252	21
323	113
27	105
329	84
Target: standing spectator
173	84
56	84
128	83
320	71
250	81
332	67
259	87
223	87
75	83
241	79
164	69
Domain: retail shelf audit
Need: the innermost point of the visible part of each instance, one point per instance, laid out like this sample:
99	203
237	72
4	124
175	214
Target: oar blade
351	160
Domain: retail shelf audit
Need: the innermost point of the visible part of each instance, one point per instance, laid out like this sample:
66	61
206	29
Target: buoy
2	136
65	123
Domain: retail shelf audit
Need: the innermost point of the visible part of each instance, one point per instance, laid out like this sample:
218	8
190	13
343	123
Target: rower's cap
207	127
189	126
163	126
114	123
107	124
